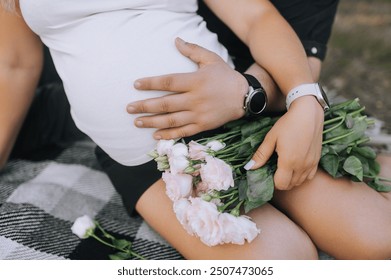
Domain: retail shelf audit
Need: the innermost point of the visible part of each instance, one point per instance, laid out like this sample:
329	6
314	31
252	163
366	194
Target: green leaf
265	121
354	105
122	244
343	135
120	256
245	149
337	149
325	150
365	151
374	167
250	128
260	187
242	187
235	124
353	166
376	185
330	164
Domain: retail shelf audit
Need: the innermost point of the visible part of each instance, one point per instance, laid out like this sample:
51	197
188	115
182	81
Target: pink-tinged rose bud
178	185
178	164
216	145
216	174
83	227
181	208
197	151
163	147
237	229
203	220
179	150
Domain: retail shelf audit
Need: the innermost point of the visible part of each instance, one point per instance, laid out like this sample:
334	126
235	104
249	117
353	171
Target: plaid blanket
40	199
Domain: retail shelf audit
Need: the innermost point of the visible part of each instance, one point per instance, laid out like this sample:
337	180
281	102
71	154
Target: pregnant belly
99	81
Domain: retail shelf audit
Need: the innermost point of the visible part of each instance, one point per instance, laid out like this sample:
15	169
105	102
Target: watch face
257	102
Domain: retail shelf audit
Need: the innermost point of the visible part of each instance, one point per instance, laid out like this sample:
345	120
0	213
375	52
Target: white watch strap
299	91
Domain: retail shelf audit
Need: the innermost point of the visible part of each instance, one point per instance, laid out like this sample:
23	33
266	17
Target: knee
292	245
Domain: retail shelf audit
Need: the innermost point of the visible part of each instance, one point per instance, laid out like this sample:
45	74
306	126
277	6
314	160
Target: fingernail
131	109
249	164
137	84
139	123
157	137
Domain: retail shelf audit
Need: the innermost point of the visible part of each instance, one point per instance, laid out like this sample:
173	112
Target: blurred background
358	62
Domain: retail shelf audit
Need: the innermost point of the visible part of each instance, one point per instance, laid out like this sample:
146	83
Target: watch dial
258	102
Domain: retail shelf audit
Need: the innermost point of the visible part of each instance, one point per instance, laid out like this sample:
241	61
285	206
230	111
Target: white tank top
100	47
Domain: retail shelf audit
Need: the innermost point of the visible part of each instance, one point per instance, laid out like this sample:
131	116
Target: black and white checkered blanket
40	199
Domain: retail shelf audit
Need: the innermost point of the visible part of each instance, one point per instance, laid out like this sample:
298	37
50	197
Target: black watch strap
255	100
252	81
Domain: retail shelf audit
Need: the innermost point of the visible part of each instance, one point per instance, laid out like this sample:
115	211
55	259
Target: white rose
203	220
163	147
215	145
178	164
216	174
178	185
83	227
237	229
181	208
197	151
178	150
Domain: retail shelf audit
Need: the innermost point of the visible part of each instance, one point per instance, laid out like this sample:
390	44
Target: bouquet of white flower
210	188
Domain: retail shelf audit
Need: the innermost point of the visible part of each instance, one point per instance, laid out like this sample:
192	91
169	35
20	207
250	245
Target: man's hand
204	100
297	139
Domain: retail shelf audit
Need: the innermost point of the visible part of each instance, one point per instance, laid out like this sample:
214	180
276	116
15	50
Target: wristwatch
308	89
255	100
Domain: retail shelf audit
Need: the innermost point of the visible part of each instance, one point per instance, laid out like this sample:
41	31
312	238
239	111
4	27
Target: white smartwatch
308	89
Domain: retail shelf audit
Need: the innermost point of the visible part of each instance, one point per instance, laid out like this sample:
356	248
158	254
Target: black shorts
312	20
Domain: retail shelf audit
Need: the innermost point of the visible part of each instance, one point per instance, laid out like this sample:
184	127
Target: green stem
337	138
105	242
340	106
378	178
361	141
137	255
357	111
333	120
233	147
239	205
222	209
105	234
219	136
335	126
114	247
231	193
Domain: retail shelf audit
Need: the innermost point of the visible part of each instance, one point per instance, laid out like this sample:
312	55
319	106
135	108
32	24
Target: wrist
310	105
242	91
310	89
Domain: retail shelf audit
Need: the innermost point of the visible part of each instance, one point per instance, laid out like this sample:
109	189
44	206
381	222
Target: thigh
345	219
280	238
385	162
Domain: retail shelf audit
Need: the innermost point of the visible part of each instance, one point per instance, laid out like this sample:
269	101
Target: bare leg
346	220
280	238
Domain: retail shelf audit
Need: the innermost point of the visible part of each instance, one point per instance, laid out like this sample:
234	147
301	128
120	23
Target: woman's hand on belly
206	99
